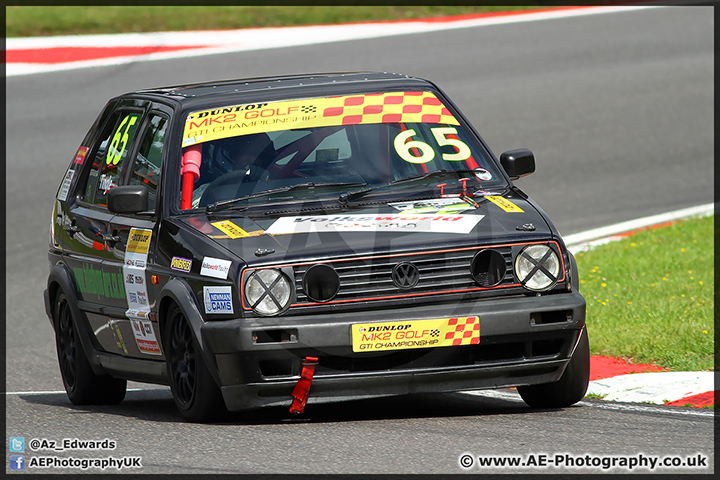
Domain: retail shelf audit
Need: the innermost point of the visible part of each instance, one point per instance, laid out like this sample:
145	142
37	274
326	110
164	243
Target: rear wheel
196	394
572	385
82	385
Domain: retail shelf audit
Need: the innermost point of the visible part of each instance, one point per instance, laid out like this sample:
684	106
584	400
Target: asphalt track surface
618	109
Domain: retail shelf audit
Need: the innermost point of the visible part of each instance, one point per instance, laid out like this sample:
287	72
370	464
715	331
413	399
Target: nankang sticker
215	267
218	299
432	223
181	264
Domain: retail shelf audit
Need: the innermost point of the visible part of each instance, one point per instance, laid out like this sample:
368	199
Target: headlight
537	267
268	291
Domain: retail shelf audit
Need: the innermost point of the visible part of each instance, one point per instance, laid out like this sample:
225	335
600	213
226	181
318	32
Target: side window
146	169
109	156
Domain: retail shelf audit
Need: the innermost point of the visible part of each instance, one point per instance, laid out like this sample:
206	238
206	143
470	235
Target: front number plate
440	332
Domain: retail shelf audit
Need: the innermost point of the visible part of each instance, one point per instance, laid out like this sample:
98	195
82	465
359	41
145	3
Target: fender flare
61	279
179	292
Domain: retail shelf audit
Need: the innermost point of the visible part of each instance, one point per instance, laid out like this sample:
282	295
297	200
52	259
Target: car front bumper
523	341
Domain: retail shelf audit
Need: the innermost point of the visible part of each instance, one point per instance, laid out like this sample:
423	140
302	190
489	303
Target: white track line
227	41
63	392
514	396
581	241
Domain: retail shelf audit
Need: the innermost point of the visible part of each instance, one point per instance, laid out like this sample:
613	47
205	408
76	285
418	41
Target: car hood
378	229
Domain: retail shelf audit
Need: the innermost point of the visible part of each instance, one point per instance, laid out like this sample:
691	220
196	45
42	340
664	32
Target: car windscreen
335	144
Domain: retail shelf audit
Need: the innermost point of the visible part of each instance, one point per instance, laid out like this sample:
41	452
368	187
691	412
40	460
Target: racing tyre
196	394
82	385
572	385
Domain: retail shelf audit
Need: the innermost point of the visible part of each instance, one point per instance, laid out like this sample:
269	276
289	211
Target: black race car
267	241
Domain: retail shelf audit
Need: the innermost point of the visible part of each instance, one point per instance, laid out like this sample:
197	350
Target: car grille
371	278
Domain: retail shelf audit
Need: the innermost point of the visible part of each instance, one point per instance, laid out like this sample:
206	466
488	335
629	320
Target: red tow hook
300	393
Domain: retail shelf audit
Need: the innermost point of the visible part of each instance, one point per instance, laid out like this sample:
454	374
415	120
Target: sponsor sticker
92	281
80	156
390	107
139	241
145	337
215	267
181	264
504	203
441	332
65	186
117	335
218	299
446	205
136	254
232	230
434	223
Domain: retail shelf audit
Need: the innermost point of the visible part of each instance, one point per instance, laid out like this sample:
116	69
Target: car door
89	245
136	237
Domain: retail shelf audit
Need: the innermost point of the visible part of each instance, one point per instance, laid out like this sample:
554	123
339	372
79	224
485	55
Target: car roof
283	87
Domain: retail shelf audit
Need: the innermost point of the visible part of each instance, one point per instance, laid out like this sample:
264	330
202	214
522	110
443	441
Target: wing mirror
128	199
518	163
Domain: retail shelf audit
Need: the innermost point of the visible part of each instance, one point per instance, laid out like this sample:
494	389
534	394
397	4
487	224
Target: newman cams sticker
218	299
433	223
441	332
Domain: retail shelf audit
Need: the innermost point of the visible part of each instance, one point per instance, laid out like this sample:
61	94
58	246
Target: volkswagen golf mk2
274	241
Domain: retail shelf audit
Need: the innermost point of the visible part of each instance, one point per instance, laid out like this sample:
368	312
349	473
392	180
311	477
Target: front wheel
196	394
82	385
572	385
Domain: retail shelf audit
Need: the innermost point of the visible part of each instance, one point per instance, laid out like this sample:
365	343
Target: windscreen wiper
222	205
349	196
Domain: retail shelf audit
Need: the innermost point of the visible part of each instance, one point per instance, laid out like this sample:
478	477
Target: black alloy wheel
82	385
196	394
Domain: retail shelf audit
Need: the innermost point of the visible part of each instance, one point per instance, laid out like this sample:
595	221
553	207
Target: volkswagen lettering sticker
136	254
218	299
215	267
376	223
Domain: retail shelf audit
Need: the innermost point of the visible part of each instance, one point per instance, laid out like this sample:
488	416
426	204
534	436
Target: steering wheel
234	177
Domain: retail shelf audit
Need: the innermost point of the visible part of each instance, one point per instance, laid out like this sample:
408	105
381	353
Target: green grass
650	297
26	21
